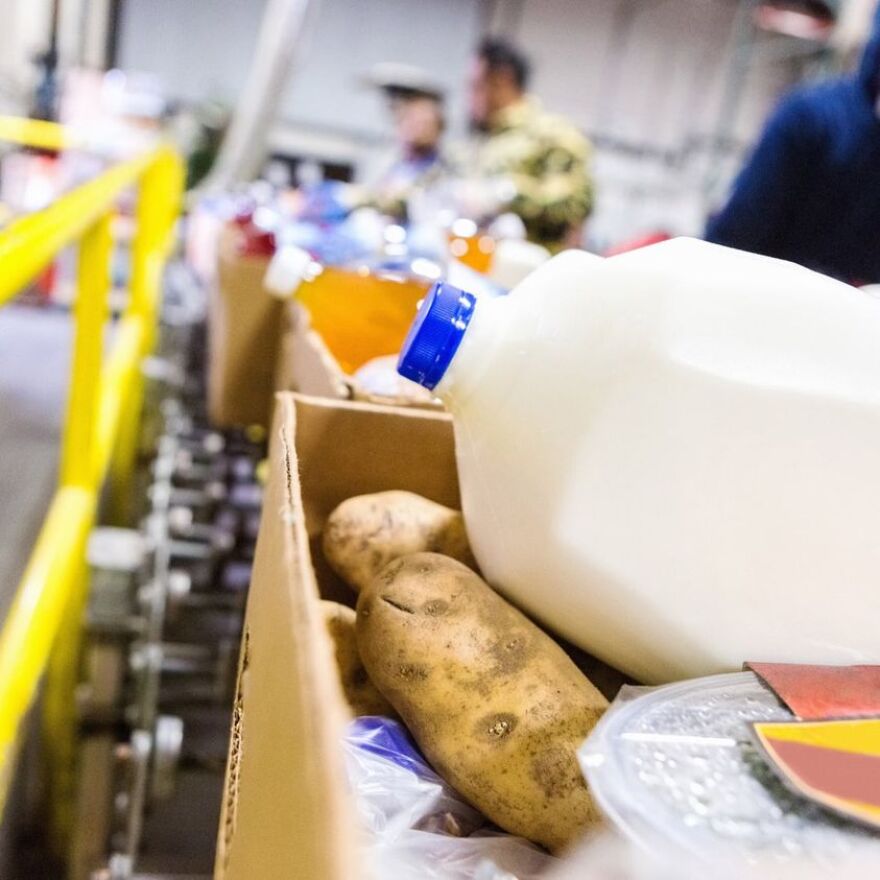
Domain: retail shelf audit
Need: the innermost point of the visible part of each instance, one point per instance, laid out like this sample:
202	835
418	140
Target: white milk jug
670	457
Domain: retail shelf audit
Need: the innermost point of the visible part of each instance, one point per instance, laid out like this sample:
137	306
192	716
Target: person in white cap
416	105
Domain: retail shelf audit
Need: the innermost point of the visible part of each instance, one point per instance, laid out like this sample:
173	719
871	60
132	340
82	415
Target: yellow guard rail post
41	631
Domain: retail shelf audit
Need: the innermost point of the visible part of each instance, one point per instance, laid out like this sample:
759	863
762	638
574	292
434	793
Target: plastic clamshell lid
676	767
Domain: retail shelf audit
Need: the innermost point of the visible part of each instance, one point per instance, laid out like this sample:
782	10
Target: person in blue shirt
415	103
811	191
418	127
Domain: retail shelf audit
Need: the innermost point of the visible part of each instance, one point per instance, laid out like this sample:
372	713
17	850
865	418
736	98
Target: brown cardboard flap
286	813
305	364
346	448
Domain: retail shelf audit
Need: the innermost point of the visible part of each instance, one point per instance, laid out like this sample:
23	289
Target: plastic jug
670	457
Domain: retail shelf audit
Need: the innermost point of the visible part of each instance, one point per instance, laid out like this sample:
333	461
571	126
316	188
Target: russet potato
361	694
365	533
495	704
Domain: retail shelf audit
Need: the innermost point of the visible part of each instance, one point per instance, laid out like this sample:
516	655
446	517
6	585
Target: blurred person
810	192
531	163
416	107
418	123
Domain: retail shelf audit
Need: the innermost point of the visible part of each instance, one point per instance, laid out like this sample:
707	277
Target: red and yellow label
835	763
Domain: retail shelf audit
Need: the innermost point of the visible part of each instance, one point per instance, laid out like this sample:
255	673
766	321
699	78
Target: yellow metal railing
41	630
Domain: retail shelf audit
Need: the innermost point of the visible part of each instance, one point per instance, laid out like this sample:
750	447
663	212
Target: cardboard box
306	365
244	327
287	812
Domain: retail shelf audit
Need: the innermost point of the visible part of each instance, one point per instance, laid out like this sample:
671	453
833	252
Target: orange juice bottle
362	312
470	245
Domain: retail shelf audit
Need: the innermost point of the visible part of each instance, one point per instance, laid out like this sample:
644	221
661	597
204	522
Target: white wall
203	48
638	75
645	78
644	71
198	48
24	33
660	87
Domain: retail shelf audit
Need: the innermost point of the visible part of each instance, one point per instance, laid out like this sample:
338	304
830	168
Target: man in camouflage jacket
528	162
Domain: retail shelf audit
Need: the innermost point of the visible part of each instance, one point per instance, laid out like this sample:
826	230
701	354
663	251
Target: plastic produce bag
611	857
380	378
420	827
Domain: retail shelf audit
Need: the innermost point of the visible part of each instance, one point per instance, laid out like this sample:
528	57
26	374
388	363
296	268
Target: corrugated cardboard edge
305	364
286	813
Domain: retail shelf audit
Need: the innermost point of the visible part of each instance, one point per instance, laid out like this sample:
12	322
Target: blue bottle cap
436	334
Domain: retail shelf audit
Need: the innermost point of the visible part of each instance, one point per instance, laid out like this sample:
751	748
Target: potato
362	695
367	532
497	706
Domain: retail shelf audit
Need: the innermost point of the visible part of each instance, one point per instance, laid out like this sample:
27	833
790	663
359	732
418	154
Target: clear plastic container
676	768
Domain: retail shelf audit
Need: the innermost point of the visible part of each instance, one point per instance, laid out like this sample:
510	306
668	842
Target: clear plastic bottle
670	457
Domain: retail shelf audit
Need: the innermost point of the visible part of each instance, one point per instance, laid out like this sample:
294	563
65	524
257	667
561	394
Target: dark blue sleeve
768	187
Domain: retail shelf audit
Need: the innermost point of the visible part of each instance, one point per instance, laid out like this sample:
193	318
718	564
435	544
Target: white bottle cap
286	270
